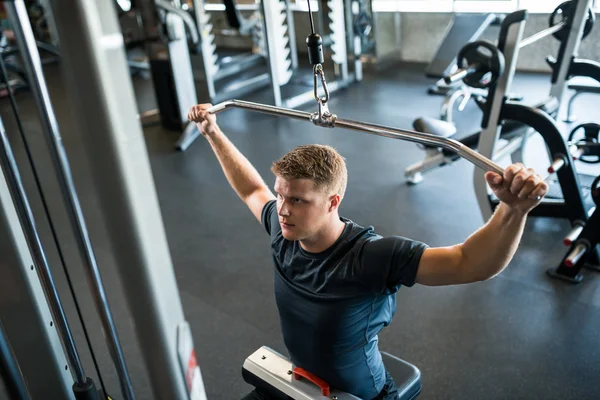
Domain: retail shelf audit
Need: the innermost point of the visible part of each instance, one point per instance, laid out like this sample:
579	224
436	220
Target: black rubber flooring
521	335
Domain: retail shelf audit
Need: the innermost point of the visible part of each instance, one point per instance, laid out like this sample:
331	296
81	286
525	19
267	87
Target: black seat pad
434	126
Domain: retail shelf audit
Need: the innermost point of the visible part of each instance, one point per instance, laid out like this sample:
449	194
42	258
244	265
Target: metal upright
101	94
41	357
19	19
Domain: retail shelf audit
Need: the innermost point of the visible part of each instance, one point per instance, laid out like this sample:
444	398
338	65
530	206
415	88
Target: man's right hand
207	122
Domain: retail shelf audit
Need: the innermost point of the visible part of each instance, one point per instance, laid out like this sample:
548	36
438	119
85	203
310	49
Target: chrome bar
541	34
379	130
459	75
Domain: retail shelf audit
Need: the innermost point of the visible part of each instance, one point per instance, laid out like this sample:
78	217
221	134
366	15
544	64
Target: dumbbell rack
585	235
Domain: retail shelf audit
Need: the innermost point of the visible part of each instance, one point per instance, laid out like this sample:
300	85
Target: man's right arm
240	173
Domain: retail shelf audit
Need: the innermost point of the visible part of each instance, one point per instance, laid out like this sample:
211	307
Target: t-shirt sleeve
390	262
269	218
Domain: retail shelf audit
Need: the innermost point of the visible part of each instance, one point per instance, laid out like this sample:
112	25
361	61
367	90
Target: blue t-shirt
333	304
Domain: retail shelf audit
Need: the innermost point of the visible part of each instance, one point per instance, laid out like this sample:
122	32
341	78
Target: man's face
302	208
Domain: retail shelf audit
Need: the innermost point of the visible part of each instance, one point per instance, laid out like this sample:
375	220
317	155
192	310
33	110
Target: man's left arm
489	250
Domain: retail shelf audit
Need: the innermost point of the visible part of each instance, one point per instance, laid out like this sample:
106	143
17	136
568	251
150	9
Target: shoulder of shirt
357	232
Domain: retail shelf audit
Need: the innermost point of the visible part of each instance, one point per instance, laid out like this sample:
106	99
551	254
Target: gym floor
521	335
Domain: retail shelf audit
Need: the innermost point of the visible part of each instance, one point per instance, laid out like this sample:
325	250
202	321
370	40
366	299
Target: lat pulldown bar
331	121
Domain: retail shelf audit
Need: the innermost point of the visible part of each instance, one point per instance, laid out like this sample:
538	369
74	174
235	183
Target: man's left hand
520	188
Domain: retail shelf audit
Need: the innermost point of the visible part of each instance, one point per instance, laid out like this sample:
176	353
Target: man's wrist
512	211
213	132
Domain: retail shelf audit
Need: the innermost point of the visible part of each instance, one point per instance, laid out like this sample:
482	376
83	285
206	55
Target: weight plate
563	13
595	189
487	61
362	24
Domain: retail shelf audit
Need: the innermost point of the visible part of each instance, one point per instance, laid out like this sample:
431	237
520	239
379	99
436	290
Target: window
412	5
465	6
495	6
536	6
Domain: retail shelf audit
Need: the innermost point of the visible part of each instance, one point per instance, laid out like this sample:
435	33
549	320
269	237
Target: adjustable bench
435	157
275	376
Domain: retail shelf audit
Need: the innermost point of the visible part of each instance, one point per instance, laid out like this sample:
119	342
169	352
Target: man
335	280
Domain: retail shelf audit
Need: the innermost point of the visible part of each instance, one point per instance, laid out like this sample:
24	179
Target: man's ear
334	202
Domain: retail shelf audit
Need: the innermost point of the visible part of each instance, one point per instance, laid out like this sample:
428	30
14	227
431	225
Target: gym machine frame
572	206
436	158
84	387
570	66
23	303
170	64
280	40
214	71
497	109
339	20
17	13
456	91
101	95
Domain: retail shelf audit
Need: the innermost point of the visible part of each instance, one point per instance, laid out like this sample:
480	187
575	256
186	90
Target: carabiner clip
318	70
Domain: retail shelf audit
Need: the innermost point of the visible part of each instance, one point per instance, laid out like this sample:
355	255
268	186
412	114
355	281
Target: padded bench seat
272	373
509	128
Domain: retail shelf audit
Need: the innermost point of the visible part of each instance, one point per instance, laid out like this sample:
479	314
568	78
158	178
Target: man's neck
324	239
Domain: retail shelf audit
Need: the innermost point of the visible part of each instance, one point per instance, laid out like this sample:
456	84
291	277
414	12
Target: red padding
569	263
302	373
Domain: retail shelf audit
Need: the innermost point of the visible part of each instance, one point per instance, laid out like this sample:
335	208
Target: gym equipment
480	65
568	196
497	109
17	80
337	16
281	51
564	12
23	303
276	376
131	25
586	147
571	67
97	79
10	371
165	37
217	69
567	65
325	119
84	387
513	132
362	24
582	243
464	28
17	13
